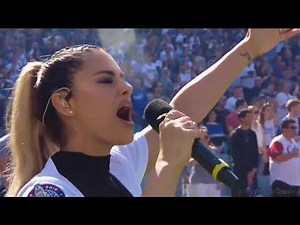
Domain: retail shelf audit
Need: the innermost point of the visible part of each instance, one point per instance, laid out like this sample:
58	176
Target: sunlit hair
255	122
291	103
31	141
242	114
262	118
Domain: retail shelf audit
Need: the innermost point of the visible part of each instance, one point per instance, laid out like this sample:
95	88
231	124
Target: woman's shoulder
49	183
43	186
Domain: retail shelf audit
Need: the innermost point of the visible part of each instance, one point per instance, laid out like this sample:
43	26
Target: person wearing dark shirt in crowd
244	152
221	113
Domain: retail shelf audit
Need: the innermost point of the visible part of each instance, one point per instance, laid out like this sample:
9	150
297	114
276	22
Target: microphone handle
207	159
213	164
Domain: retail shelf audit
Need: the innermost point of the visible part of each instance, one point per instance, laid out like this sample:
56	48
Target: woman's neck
88	147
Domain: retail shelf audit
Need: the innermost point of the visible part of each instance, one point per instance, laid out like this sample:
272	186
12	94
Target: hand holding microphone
176	126
177	134
154	113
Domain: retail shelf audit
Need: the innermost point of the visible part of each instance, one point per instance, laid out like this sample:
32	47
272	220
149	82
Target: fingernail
160	116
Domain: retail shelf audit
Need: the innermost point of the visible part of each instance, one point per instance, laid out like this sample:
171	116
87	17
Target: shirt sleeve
136	154
276	149
48	187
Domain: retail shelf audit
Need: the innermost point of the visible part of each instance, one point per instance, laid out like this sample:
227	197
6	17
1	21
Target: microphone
210	162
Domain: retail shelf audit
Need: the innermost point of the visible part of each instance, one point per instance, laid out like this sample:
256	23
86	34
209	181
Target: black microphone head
154	109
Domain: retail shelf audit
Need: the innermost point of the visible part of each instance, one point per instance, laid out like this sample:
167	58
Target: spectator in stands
221	113
165	79
214	129
139	100
293	108
237	93
184	75
269	91
284	162
258	129
232	120
157	92
256	90
248	78
266	119
263	181
200	182
150	71
244	152
282	97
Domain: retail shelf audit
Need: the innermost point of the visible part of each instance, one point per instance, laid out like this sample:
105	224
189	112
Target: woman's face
255	112
101	100
268	113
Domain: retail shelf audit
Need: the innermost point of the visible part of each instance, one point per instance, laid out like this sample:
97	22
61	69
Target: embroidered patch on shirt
46	190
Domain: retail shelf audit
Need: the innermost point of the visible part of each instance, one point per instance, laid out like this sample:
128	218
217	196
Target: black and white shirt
71	174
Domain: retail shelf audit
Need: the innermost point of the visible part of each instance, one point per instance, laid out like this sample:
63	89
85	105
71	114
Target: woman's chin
125	139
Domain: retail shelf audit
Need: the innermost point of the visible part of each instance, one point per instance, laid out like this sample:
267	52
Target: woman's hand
177	134
263	40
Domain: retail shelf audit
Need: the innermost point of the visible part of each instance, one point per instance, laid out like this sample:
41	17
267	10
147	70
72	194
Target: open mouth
124	113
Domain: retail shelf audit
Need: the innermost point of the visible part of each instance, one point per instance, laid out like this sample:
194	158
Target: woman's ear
60	103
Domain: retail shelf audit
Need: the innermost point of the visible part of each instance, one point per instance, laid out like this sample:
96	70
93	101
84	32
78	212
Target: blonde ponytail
32	142
28	145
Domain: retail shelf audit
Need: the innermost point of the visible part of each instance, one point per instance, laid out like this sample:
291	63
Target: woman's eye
105	81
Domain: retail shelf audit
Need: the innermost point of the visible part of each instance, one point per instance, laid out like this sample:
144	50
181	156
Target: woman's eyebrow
109	72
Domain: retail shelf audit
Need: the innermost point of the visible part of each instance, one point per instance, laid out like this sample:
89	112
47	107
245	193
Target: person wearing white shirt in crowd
293	107
200	182
237	93
150	71
282	97
285	162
